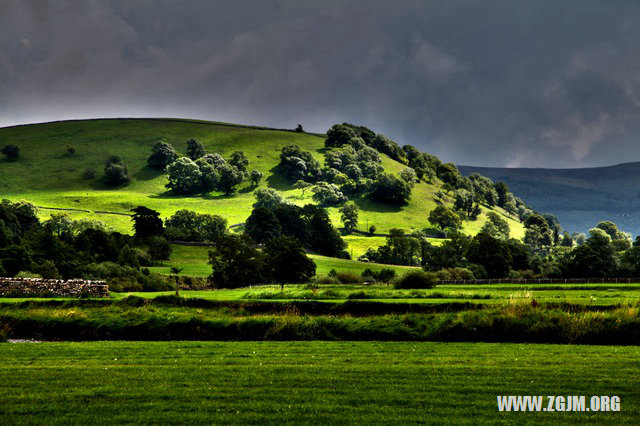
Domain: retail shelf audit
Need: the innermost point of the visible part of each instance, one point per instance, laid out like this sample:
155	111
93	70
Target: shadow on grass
147	173
168	195
277	181
373	206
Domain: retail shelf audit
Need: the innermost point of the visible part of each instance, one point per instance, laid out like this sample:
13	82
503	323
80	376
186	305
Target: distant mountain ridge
579	197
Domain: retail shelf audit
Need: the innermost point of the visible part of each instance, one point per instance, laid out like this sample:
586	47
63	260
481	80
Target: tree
302	185
349	215
293	223
464	202
409	175
287	262
158	248
445	218
298	164
328	194
186	225
15	259
256	177
239	160
162	154
338	135
400	249
195	149
503	190
490	253
501	226
268	198
262	225
299	128
115	171
184	176
595	258
146	222
176	271
209	177
323	237
235	262
229	178
448	173
390	189
567	241
12	152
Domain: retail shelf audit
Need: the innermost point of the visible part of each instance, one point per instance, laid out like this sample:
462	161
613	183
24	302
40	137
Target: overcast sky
495	83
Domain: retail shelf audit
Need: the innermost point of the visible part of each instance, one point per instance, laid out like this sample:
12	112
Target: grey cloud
535	83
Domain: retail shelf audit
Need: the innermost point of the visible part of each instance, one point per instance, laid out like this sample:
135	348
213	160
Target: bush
115	171
71	149
89	173
324	279
416	279
346	277
12	152
455	274
384	275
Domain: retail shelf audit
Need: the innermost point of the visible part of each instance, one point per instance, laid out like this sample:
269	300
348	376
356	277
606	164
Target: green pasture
193	260
306	382
47	176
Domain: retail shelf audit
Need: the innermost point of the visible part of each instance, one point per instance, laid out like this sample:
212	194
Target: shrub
416	279
12	152
346	277
71	149
89	173
324	279
115	171
455	274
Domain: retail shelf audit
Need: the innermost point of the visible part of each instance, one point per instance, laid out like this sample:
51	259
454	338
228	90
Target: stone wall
36	286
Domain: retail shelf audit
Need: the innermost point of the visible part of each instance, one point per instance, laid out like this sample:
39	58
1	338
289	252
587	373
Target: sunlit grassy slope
49	177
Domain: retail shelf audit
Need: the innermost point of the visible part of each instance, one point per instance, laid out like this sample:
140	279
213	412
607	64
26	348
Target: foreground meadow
306	382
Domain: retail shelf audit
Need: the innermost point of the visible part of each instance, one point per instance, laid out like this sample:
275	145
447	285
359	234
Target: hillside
579	197
50	177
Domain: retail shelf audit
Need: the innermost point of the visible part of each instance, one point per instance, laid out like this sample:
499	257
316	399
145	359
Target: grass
300	382
193	260
59	183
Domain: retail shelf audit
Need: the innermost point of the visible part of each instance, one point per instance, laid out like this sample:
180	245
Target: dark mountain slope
579	197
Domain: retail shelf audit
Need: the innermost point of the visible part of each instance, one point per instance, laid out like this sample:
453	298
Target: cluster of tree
272	217
399	249
236	261
345	133
61	247
199	172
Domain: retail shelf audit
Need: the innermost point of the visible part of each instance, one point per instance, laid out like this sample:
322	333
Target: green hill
579	197
50	177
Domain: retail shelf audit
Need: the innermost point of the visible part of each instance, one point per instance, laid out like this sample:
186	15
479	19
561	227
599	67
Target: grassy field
193	260
306	382
47	176
589	294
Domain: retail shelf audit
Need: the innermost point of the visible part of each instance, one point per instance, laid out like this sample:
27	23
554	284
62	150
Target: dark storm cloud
531	83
